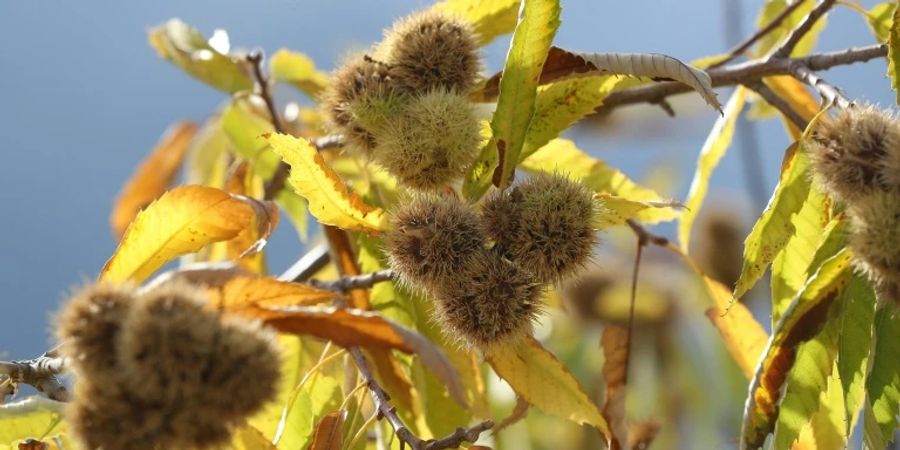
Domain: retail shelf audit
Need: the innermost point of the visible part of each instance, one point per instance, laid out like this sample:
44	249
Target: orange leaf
246	291
152	177
744	337
182	221
353	327
329	432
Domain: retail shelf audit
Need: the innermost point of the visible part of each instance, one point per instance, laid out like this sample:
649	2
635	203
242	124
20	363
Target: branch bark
779	103
801	30
40	372
347	283
745	72
739	49
828	91
388	412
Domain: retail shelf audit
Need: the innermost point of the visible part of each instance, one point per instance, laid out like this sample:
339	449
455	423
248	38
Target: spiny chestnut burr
177	351
856	152
431	142
432	238
545	224
490	302
875	240
430	50
88	328
360	99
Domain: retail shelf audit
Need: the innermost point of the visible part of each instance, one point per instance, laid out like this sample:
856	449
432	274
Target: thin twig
642	240
276	183
308	264
740	48
646	236
40	373
346	283
828	91
387	411
740	73
801	30
779	103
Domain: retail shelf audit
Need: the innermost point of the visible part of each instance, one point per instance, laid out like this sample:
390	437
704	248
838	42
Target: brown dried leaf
151	179
329	432
559	64
615	351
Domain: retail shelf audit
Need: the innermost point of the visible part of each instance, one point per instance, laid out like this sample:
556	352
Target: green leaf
805	383
490	19
563	156
245	126
34	417
183	45
881	19
298	70
802	321
883	383
856	321
559	105
893	56
714	148
531	41
813	241
775	227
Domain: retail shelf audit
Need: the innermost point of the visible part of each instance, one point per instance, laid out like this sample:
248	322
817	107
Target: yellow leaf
714	148
489	18
881	19
241	181
329	199
528	50
797	96
743	335
153	176
183	45
182	221
299	70
562	155
250	438
539	378
34	417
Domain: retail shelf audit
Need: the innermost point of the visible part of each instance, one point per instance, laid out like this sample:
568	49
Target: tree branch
308	264
346	283
779	103
745	72
40	373
739	49
386	411
827	90
801	30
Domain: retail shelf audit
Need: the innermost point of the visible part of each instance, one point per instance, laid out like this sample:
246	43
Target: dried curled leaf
153	176
330	200
329	433
183	221
655	65
615	343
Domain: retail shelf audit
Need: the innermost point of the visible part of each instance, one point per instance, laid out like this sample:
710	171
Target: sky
86	98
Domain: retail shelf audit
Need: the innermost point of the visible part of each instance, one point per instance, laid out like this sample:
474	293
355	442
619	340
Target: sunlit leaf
535	30
182	221
183	45
893	57
538	377
34	417
774	228
490	19
329	199
241	181
208	157
329	432
800	322
249	438
563	156
806	381
717	143
299	70
881	19
266	292
857	319
349	327
825	430
151	179
244	124
883	382
814	240
318	395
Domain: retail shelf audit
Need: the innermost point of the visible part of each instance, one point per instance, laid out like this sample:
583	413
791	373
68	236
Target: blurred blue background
85	98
